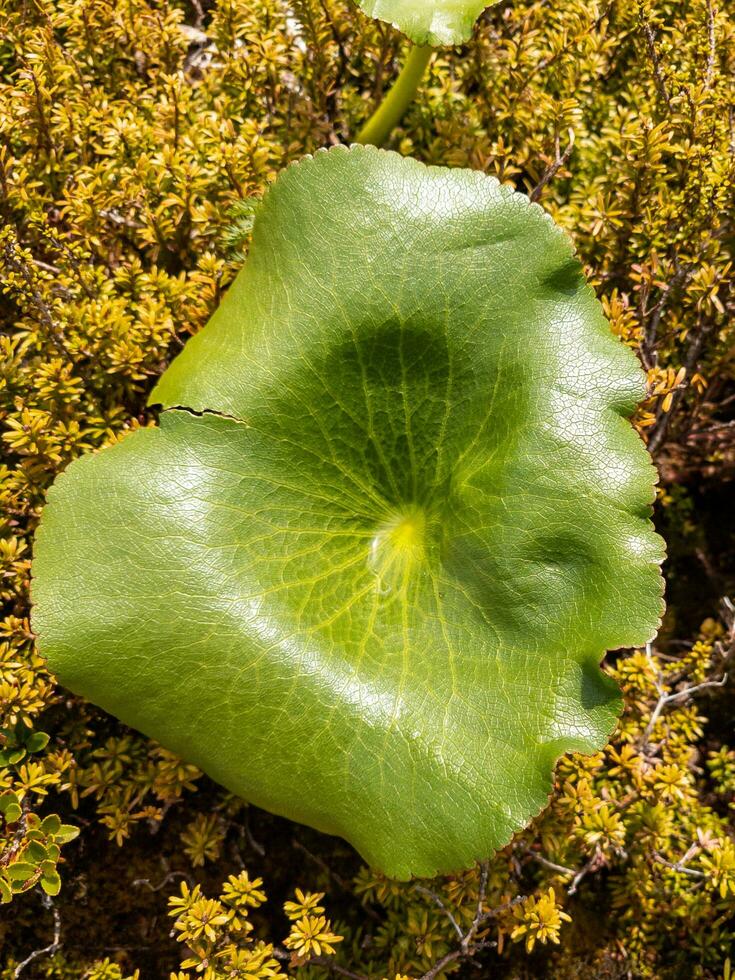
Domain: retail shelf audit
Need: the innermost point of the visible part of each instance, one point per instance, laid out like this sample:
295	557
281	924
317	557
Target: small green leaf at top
365	569
433	22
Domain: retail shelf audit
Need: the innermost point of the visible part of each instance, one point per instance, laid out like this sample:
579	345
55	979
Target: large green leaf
434	22
372	591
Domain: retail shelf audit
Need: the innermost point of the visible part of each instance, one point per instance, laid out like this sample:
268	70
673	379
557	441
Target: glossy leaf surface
365	569
434	22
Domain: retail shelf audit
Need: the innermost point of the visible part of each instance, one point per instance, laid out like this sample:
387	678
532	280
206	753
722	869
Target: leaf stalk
390	111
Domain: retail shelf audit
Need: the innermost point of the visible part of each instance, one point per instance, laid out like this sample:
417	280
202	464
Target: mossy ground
133	138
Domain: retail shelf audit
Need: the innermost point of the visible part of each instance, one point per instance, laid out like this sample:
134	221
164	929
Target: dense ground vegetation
133	138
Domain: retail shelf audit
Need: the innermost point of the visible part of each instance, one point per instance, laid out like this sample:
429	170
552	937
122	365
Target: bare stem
666	699
52	946
390	111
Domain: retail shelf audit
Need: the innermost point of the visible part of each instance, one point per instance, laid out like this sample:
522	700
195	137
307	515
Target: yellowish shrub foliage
134	137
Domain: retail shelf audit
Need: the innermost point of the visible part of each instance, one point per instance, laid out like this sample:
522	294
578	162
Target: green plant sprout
364	570
427	25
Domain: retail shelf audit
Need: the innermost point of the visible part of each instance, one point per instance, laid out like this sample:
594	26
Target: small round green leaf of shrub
365	569
51	824
20	871
66	833
51	883
434	22
10	808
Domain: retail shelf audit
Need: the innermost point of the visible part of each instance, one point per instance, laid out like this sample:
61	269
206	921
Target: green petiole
390	111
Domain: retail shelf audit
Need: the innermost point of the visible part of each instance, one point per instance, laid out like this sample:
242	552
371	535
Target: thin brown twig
332	874
681	865
118	219
559	868
665	699
655	61
499	909
167	879
436	899
46	266
325	961
17	264
706	433
439	966
695	349
456	954
588	866
469	945
16	840
709	73
560	159
479	909
52	946
577	876
727	650
680	278
335	968
320	862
